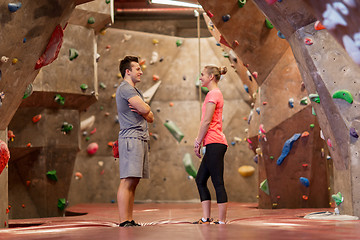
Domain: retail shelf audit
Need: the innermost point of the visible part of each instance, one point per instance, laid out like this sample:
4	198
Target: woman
211	135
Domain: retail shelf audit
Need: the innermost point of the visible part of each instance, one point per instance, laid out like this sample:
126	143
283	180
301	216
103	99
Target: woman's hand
197	146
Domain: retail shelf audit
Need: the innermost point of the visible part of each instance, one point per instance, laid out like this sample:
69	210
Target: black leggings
212	165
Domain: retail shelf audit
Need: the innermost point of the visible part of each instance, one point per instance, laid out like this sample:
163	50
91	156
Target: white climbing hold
352	48
154	58
332	18
87	123
341	7
350	3
357	39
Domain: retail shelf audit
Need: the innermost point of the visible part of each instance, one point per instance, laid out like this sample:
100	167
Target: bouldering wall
174	62
330	71
47	124
280	105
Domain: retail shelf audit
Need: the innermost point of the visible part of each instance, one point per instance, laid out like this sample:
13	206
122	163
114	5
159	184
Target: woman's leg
201	182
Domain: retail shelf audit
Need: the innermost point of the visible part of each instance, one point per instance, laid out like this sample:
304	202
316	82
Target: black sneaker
134	223
126	224
200	221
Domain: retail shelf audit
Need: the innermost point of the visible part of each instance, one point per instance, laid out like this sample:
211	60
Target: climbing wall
330	71
46	127
280	104
176	100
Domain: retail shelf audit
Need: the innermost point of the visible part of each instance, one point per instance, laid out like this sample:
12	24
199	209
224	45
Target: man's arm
139	106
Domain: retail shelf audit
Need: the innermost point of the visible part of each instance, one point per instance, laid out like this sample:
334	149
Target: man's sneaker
126	224
200	221
134	223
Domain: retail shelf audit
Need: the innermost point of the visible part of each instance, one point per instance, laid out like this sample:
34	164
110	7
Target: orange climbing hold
171	104
11	135
305	197
155	77
28	183
36	118
142	62
110	144
319	26
305	134
28	145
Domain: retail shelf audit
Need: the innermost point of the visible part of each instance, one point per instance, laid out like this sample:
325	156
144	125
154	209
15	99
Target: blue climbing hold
256	159
304	181
233	143
13	7
291	102
246	88
226	17
218	44
258	110
287	147
353	133
24	40
280	35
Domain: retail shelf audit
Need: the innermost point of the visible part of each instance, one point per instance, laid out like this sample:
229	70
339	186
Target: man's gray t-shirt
131	123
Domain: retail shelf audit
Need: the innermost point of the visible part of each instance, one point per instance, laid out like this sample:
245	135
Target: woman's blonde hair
217	71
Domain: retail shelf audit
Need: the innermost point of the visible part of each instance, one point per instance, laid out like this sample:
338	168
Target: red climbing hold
210	15
271	1
36	118
92	148
4	155
319	26
308	41
255	74
53	48
223	41
115	149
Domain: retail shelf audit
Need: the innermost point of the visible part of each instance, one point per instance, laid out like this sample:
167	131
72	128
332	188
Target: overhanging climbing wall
175	100
278	112
47	124
329	71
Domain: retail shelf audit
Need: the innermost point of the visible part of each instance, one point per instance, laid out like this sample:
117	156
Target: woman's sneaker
219	222
200	221
131	223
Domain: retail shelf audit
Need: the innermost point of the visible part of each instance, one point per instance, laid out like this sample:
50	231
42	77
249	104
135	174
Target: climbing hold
308	41
179	42
261	128
246	88
256	159
59	99
66	127
15	60
188	164
264	186
4	155
235	44
52	175
233	143
291	102
226	17
87	123
304	101
319	26
102	85
174	130
154	57
93	131
83	87
11	135
24	40
304	181
271	1
305	134
92	148
91	20
107	1
280	35
312	125
338	198
329	143
171	104
264	103
73	53
287	147
268	24
13	7
258	110
210	15
258	151
305	165
36	118
305	197
345	95
115	149
61	204
271	157
4	59
322	152
28	145
353	133
246	170
78	175
255	75
155	77
52	49
241	3
314	97
155	41
313	111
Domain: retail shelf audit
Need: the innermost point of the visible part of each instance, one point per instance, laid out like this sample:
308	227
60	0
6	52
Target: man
134	114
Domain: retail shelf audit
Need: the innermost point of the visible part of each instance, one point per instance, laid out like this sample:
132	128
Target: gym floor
173	221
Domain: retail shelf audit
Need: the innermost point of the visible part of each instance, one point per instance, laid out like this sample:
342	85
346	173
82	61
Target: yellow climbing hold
155	41
246	170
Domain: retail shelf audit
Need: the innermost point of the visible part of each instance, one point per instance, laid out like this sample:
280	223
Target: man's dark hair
126	64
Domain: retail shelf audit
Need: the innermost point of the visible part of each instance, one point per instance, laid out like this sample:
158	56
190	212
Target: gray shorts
133	158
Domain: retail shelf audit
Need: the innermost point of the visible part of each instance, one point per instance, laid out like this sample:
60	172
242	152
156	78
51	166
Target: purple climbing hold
226	17
304	181
256	159
287	147
353	133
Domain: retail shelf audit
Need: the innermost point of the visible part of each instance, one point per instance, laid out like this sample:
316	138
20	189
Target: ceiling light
176	3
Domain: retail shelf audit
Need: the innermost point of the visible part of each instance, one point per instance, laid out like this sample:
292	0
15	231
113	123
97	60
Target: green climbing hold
303	101
91	20
28	91
241	3
174	130
271	157
264	186
179	43
314	97
107	1
313	111
61	203
225	55
312	125
66	127
52	175
345	95
73	53
84	86
268	24
204	90
338	198
102	85
59	99
189	167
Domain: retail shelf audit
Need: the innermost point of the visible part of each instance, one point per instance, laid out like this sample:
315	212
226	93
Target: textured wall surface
178	72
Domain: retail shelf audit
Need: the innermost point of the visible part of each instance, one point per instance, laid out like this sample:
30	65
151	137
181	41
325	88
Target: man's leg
125	197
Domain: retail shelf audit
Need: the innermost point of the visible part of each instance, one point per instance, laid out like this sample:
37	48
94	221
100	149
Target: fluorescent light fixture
176	3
